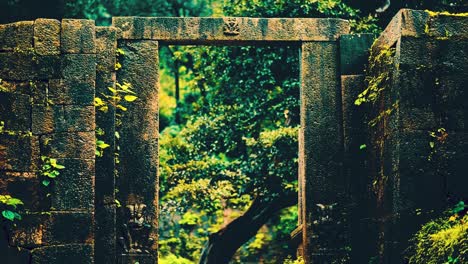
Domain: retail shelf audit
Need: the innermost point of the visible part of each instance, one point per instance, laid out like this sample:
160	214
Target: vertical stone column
105	218
138	179
321	154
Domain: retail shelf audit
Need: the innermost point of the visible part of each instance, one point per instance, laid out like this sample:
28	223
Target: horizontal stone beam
230	31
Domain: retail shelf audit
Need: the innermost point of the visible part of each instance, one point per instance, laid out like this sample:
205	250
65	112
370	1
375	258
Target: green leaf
8	215
46	182
460	206
58	166
18	216
14	202
101	144
363	146
114	91
130	98
431	144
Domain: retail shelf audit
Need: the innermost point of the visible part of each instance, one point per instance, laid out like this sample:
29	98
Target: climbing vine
378	77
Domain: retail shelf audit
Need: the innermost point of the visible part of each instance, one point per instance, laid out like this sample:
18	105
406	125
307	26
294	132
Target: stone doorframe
320	139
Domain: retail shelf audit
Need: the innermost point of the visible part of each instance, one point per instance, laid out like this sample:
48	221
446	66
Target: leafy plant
49	170
443	240
8	205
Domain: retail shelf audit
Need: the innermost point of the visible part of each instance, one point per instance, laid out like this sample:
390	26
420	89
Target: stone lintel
418	24
240	30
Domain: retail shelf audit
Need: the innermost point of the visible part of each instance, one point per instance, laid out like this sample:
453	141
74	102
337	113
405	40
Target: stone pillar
137	178
321	154
105	229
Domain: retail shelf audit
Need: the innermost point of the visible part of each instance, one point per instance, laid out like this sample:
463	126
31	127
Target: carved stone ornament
231	26
136	232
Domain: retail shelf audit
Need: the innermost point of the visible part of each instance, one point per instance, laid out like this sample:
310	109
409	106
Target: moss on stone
378	75
443	240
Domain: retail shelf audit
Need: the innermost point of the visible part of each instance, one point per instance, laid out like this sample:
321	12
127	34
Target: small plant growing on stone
121	93
8	206
50	169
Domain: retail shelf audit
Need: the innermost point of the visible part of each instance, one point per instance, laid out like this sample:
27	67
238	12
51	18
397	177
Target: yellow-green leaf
130	98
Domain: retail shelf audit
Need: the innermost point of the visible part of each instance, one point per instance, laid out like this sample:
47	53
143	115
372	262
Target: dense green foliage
443	240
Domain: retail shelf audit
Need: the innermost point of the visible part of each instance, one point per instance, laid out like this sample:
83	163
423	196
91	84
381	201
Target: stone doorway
321	118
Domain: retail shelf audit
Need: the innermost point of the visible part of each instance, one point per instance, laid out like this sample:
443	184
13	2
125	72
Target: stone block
25	66
106	45
106	235
79	145
79	68
59	118
417	52
22	88
59	254
18	152
15	112
47	36
29	232
452	56
136	258
69	228
416	88
351	87
16	35
354	52
27	187
74	187
68	92
418	118
78	36
451	92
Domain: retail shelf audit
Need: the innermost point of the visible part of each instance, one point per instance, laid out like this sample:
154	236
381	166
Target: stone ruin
363	170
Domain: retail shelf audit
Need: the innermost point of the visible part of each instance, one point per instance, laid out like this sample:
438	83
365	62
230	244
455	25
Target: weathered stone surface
74	188
15	112
52	228
140	258
70	254
418	23
80	145
47	36
27	187
16	35
25	66
78	36
58	118
18	152
354	52
79	67
321	132
105	233
69	228
139	160
29	232
195	30
105	217
106	45
71	92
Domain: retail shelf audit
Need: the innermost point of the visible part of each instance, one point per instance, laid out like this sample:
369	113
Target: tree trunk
222	245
